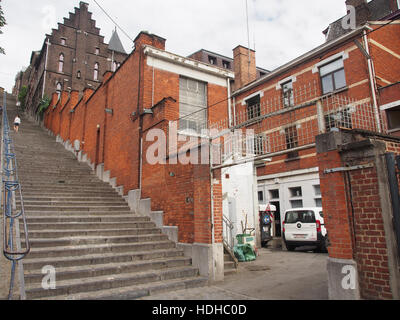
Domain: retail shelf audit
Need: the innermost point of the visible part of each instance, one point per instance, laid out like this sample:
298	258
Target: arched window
59	89
96	72
79	75
61	63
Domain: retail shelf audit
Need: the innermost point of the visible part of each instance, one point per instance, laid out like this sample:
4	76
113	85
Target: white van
304	227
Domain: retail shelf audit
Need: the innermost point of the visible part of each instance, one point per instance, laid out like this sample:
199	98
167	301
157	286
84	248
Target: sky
280	30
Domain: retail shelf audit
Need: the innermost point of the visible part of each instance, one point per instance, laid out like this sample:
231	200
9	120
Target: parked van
304	227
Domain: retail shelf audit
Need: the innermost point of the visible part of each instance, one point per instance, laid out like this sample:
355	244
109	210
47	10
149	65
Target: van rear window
304	216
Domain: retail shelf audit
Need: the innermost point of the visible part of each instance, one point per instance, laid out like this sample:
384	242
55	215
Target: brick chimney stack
146	38
245	72
362	10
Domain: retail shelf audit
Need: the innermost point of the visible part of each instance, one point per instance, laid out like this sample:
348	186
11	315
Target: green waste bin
244	252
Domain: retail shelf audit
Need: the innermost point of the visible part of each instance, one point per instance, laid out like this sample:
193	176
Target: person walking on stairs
17	123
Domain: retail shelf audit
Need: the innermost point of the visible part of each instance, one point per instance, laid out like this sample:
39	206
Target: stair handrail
10	183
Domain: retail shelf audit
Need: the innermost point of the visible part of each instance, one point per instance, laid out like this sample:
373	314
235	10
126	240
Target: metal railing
228	233
11	213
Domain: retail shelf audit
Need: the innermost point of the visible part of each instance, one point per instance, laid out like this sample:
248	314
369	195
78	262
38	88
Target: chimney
362	10
245	72
146	38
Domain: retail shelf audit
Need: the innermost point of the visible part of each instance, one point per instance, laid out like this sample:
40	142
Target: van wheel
290	248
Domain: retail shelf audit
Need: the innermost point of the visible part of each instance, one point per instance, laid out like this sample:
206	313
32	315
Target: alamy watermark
349	282
49	280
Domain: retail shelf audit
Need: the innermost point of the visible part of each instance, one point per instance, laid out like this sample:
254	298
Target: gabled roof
116	44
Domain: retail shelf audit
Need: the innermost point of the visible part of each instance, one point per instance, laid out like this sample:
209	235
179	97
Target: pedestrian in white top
17	123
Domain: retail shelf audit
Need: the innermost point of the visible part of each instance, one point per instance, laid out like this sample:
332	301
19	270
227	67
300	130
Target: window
78	75
59	89
393	118
226	64
296	203
296	192
260	196
287	94
212	60
317	192
318	202
300	216
96	72
192	105
260	146
291	138
115	66
97	51
340	119
63	41
253	107
61	63
274	194
332	76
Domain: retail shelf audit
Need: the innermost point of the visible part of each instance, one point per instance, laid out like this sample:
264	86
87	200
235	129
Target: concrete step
102	258
85	233
41	198
71	203
81	285
88	225
94	219
98	249
39	213
68	193
81	208
138	291
89	271
93	240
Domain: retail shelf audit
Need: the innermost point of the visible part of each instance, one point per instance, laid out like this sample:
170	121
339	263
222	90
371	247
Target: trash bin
244	252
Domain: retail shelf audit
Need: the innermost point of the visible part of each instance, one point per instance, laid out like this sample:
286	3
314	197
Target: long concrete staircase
80	226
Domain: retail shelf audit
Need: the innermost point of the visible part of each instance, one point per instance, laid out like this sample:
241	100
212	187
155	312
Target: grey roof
379	9
115	43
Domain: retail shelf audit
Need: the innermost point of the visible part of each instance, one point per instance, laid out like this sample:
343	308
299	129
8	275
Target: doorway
277	220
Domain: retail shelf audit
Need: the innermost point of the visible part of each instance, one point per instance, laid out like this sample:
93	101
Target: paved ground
275	275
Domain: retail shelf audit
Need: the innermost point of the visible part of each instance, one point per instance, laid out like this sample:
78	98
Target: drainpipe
372	83
229	103
212	210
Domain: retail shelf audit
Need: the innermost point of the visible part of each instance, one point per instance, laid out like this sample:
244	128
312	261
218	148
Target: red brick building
150	90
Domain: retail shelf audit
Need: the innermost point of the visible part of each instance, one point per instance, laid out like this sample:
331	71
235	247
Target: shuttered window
192	105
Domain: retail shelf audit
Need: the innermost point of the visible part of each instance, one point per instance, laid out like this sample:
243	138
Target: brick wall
354	208
65	116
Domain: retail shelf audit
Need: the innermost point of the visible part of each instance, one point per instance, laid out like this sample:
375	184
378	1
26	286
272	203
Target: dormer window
212	60
226	64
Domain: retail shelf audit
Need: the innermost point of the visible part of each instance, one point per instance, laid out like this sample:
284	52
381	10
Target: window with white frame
192	105
287	94
332	76
292	140
61	62
393	118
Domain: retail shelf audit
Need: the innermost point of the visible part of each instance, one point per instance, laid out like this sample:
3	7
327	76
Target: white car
304	227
